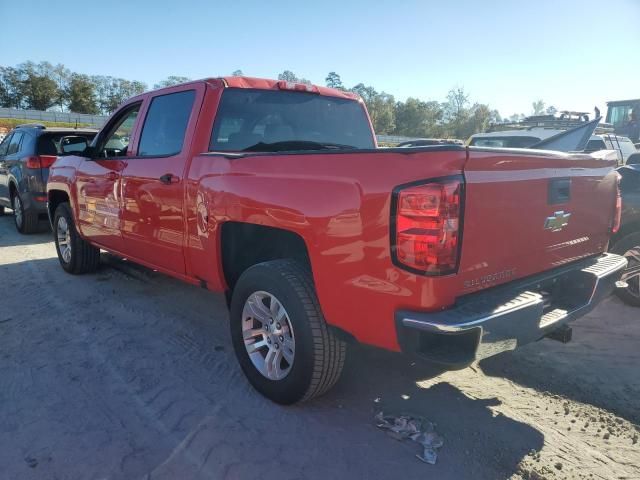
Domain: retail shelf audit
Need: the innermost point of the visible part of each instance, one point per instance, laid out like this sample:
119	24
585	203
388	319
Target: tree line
44	86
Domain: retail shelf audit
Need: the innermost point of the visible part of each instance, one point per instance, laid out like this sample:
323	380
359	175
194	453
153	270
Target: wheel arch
54	198
626	230
243	245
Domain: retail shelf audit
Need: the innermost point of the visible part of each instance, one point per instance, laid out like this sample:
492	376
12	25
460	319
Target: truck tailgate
526	212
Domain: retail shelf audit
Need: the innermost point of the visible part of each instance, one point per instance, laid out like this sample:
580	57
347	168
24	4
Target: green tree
551	110
538	107
111	92
62	76
39	90
11	88
456	110
81	96
478	119
171	80
333	80
289	76
415	118
383	114
237	73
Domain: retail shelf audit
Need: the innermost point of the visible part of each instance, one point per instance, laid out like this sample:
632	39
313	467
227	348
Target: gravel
129	374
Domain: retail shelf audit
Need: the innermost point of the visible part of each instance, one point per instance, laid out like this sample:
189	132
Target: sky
572	54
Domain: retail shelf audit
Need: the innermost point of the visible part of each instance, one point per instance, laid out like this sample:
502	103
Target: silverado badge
557	221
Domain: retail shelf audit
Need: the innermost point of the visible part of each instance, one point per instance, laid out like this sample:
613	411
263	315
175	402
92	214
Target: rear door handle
169	178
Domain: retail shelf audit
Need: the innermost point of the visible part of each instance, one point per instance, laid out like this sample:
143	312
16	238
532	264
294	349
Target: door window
166	123
4	146
116	142
14	146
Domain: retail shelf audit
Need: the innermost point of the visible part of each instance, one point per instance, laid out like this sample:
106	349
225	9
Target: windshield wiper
293	145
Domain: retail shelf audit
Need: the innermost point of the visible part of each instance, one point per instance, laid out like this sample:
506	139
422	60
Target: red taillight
47	160
40	161
617	216
33	162
427	226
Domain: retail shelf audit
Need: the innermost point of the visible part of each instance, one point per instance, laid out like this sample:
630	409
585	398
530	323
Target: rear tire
629	246
76	255
318	355
25	219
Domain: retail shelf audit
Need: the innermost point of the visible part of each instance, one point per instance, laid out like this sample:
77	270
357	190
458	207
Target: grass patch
10	123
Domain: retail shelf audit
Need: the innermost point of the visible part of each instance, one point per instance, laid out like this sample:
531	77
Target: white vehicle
525	138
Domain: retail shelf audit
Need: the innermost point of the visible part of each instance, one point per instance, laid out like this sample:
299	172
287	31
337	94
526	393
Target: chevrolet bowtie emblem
557	221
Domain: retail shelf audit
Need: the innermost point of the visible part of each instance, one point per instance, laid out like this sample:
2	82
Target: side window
14	146
116	141
4	146
166	123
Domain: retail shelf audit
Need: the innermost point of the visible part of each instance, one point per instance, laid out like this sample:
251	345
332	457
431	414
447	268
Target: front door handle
112	176
169	178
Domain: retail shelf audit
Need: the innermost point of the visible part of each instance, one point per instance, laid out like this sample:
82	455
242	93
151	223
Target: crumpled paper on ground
416	429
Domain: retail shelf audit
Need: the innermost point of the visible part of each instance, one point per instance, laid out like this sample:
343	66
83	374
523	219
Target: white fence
69	117
99	120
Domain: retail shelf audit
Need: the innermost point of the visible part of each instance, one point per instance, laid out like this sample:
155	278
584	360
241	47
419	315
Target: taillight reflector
427	226
40	161
617	215
298	87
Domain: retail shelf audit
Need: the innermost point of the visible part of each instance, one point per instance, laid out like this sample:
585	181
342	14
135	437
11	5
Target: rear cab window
49	143
504	142
165	125
274	120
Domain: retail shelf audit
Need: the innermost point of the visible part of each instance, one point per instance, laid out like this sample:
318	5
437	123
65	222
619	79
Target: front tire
76	255
25	219
629	246
280	336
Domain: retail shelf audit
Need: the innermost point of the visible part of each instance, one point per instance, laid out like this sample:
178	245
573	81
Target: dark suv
627	241
25	157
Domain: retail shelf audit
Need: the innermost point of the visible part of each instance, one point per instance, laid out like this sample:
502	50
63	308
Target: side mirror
73	144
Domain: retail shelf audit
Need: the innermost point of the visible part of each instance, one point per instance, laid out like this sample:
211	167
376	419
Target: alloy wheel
17	210
268	335
64	239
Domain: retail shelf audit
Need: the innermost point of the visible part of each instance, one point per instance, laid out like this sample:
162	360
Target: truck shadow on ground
598	367
141	371
8	240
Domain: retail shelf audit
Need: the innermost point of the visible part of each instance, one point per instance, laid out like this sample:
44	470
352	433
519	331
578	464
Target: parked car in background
26	155
275	193
627	241
528	138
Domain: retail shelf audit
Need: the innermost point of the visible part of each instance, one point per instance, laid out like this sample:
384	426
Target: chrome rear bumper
489	322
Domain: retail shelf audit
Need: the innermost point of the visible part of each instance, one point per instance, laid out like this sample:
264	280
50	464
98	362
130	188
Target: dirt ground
128	374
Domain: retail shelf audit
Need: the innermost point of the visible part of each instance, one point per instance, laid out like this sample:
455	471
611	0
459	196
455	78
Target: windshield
267	120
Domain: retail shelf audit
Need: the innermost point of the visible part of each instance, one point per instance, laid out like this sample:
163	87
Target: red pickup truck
275	193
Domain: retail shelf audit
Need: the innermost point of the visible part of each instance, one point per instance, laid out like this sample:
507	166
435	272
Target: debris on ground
416	429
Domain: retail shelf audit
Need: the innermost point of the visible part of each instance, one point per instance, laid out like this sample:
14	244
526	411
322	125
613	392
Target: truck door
153	227
98	181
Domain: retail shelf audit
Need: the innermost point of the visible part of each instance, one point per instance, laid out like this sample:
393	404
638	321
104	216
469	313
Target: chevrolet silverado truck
276	194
